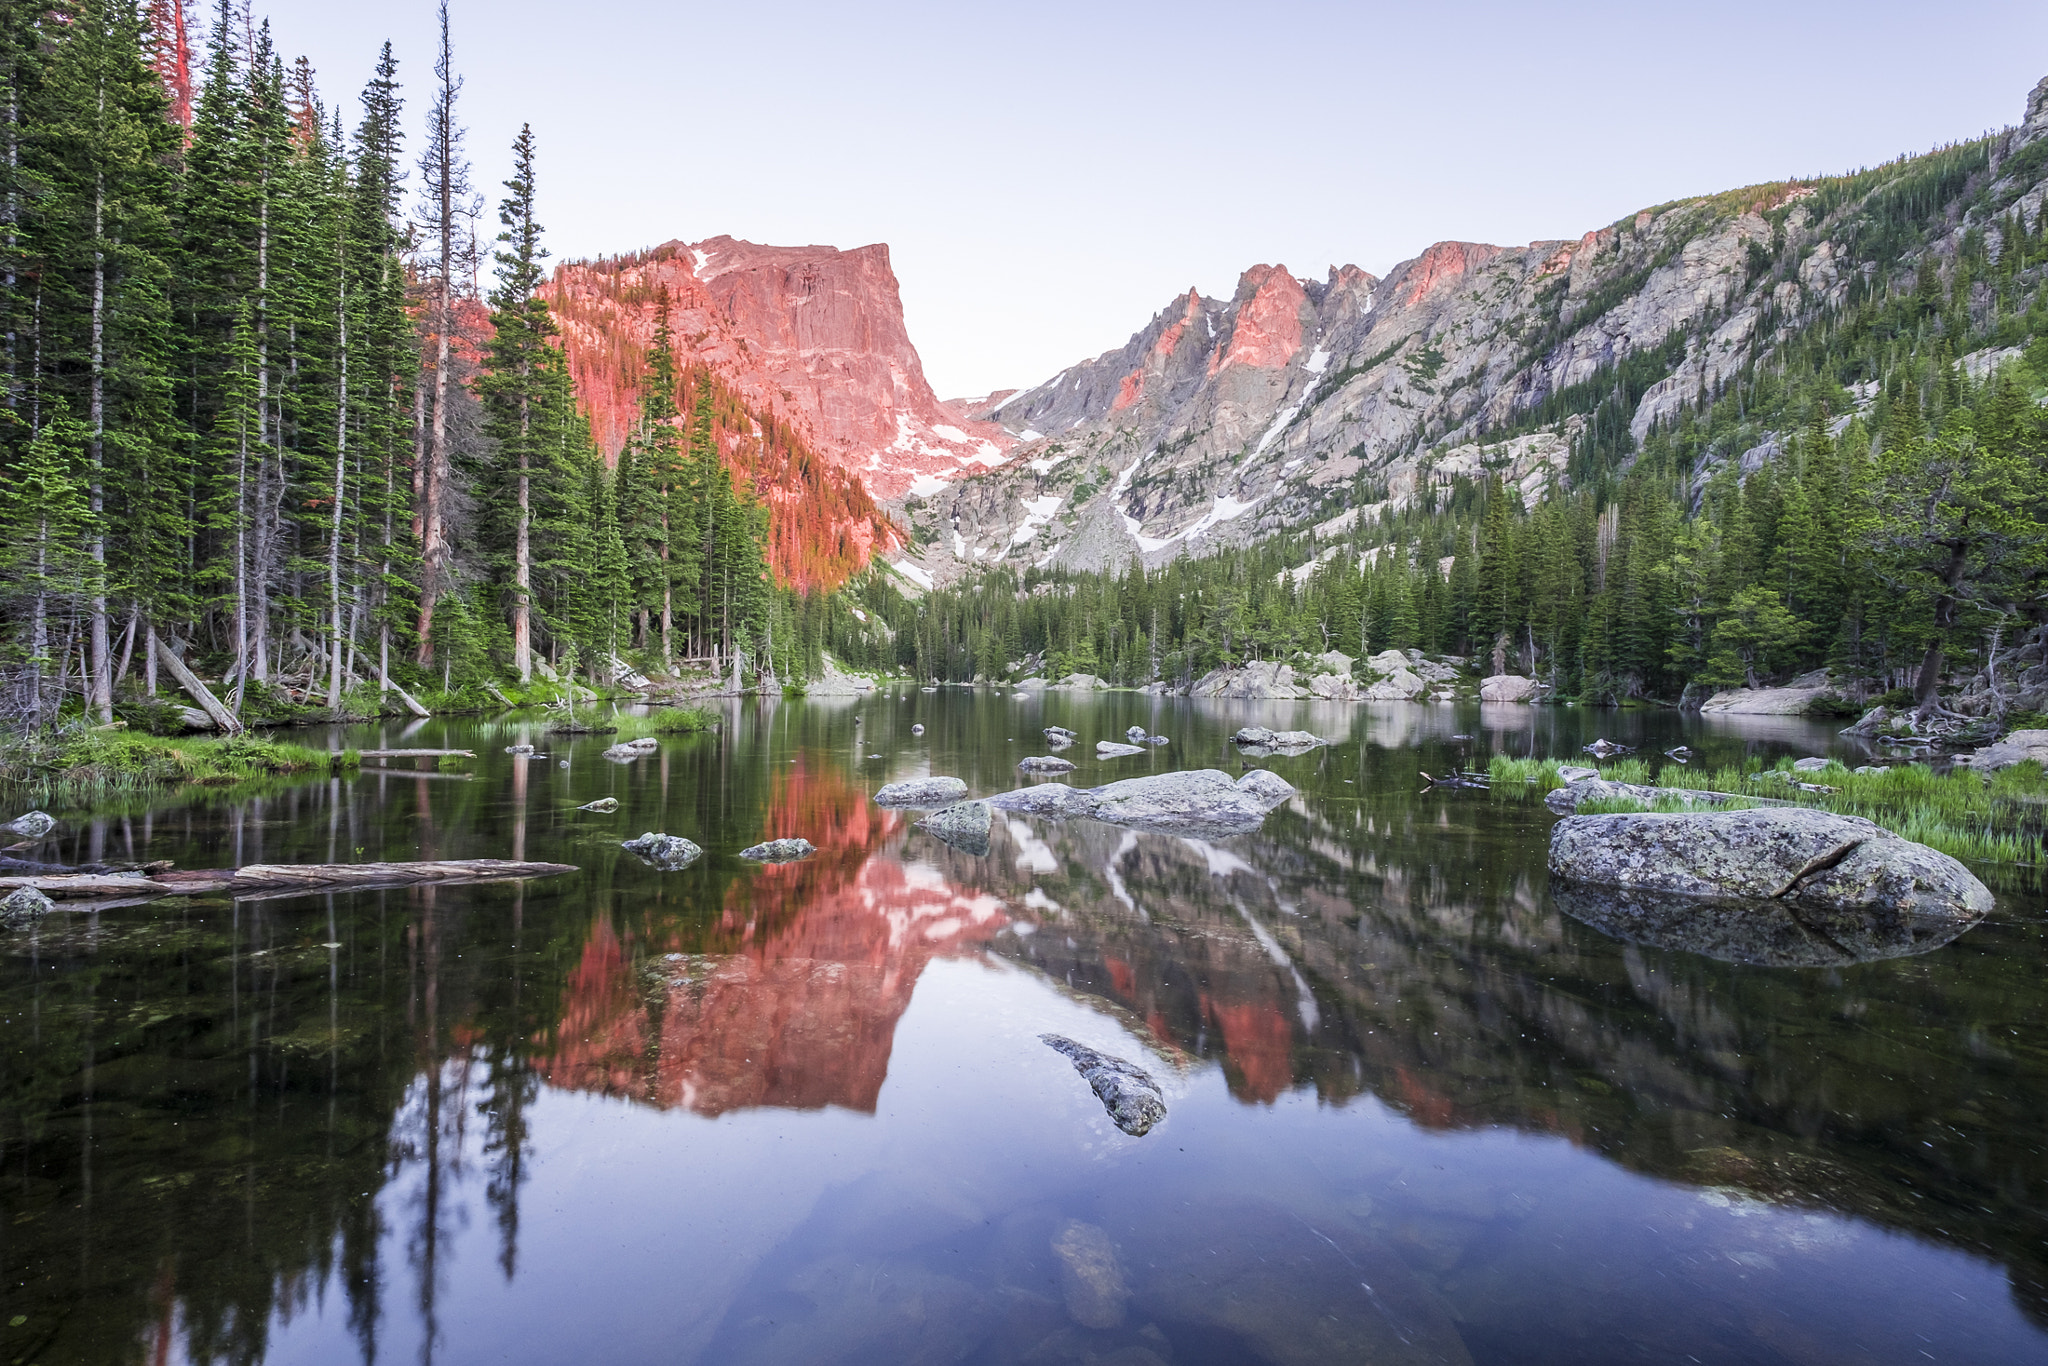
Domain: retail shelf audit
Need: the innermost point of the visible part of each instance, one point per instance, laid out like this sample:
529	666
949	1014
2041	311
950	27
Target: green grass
1984	818
101	762
667	721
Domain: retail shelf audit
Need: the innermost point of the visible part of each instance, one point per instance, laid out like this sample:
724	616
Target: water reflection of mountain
789	995
1436	975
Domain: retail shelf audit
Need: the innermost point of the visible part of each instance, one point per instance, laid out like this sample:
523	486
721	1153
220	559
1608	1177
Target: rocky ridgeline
1226	420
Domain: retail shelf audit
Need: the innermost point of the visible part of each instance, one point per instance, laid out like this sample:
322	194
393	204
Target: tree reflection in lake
798	1105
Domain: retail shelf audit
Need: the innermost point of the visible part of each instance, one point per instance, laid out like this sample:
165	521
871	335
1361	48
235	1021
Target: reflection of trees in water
1445	983
787	991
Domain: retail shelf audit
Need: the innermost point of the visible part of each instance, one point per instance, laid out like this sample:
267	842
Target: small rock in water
1260	738
963	826
1110	749
519	749
24	907
603	805
931	690
1136	735
623	754
565	763
1604	748
1091	1281
1045	763
921	792
1679	752
917	730
666	852
1125	1090
1060	733
779	851
32	825
1574	773
1155	739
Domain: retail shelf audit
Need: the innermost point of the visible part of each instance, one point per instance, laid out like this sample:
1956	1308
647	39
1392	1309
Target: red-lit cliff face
813	336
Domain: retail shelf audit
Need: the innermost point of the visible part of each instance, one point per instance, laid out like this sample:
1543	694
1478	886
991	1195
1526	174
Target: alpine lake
801	1113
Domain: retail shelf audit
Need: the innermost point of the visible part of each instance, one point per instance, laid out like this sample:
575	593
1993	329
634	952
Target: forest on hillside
1890	524
280	407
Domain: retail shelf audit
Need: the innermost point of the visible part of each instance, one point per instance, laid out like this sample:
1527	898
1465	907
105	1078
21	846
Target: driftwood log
414	753
277	879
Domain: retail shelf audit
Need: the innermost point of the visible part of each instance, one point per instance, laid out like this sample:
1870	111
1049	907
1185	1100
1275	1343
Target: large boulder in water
921	792
1126	1090
1200	801
669	853
1261	739
1046	763
32	825
1759	932
1811	859
23	907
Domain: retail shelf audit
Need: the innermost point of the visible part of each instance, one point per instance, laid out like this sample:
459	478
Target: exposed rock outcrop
1809	858
1764	701
1509	688
2016	748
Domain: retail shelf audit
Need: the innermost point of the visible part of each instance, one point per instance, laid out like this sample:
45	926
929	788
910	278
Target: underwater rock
32	825
669	853
1091	1281
964	826
1045	763
1126	1090
1761	932
23	907
1813	859
603	806
1110	749
779	851
921	792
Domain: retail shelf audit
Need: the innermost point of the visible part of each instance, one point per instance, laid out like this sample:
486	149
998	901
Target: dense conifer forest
278	409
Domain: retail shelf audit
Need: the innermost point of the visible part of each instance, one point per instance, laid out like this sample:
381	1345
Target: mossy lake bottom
801	1113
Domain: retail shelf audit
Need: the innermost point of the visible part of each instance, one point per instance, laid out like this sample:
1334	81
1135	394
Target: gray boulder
917	730
2016	748
921	792
964	826
1091	1280
1136	735
1127	1091
1812	764
1046	763
670	853
1574	773
1565	800
23	907
1807	858
1283	741
32	825
1110	749
603	806
1060	733
1201	801
779	851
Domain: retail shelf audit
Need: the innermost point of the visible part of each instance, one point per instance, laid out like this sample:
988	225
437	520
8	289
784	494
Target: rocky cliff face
812	335
1301	402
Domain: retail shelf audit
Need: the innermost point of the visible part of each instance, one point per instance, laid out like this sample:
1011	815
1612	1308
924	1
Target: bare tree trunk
334	675
99	697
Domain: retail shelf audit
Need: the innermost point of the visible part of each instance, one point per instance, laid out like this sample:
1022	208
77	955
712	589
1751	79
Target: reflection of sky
640	1227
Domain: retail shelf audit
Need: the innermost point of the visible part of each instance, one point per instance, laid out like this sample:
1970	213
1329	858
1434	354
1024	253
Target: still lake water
800	1114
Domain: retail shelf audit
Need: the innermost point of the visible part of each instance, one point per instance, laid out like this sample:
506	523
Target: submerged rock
1046	763
1811	859
23	907
32	825
779	851
1761	932
604	806
669	853
921	792
1091	1281
1126	1090
1110	749
1197	801
964	826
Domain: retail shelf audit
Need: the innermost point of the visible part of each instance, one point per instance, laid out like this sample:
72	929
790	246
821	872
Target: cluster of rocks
628	750
1260	741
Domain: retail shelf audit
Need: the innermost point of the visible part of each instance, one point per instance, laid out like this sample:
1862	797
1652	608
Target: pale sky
1049	175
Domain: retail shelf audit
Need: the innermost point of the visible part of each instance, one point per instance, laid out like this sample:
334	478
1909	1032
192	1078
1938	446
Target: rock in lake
963	826
1046	763
1810	859
1574	773
1508	688
921	792
1110	749
779	851
1759	932
1136	735
1091	1281
603	806
1294	741
1193	802
1061	733
23	907
669	853
519	749
31	825
917	730
2015	748
1810	765
1125	1090
1604	748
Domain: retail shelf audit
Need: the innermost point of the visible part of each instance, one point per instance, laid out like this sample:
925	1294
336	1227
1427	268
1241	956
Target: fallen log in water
413	753
259	879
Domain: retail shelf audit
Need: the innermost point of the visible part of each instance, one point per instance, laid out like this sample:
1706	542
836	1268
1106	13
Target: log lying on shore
274	879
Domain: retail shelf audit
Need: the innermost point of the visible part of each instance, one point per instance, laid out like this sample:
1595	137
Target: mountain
1300	403
812	336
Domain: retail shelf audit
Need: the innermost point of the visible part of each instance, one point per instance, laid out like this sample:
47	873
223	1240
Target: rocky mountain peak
2035	125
